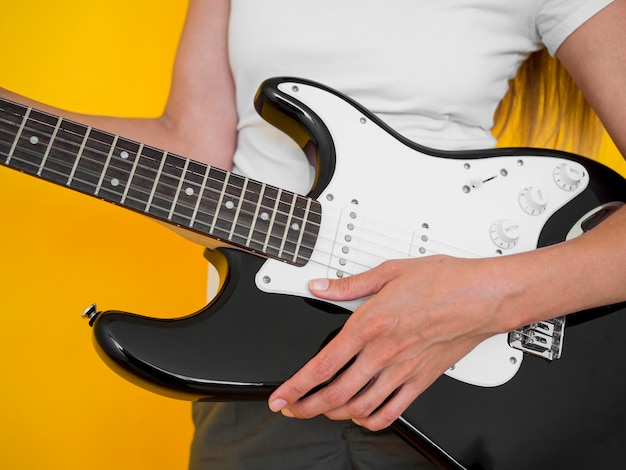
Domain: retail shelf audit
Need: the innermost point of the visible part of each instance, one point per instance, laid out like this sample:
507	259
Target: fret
196	208
165	190
238	210
118	170
255	216
178	188
90	165
266	243
189	193
278	242
80	154
18	135
232	194
296	251
212	191
61	154
50	142
155	181
219	204
133	169
294	225
261	226
241	205
143	178
106	165
311	228
32	143
283	240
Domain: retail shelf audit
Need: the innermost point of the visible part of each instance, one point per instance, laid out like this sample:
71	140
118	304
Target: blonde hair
545	108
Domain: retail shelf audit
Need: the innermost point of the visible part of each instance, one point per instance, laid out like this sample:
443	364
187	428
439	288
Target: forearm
157	132
586	272
199	120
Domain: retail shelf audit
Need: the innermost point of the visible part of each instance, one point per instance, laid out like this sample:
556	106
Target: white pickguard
388	201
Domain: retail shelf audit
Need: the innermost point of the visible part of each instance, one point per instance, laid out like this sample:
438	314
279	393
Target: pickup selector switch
505	233
568	175
533	200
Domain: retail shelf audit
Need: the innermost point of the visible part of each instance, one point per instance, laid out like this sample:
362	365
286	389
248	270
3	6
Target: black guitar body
261	327
567	414
241	346
562	414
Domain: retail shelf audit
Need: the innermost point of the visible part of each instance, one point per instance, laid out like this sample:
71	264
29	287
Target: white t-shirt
434	70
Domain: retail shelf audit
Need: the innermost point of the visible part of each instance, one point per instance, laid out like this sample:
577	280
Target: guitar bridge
542	339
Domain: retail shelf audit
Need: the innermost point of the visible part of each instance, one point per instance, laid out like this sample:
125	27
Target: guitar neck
215	203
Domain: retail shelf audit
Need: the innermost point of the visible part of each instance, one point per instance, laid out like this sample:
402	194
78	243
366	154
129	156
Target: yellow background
61	408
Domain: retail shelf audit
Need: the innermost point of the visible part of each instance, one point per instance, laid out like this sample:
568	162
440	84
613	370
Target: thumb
348	288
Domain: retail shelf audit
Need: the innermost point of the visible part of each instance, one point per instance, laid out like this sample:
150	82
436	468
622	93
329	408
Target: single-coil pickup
345	245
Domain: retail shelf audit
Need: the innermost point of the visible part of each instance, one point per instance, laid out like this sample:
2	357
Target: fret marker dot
124	154
230	204
115	182
34	140
189	191
265	216
295	226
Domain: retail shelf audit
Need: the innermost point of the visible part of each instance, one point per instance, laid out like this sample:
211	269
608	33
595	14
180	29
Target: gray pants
247	435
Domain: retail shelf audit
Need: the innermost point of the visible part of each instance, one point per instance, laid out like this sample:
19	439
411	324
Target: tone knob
533	200
505	233
569	175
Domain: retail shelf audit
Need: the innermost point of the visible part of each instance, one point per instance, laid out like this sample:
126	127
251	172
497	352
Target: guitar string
91	149
394	241
74	155
229	190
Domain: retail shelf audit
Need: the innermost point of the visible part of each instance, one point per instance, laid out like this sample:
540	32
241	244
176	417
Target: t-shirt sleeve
557	19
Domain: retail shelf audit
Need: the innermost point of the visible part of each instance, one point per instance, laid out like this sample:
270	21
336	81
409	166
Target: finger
392	409
370	398
318	371
334	396
352	287
362	404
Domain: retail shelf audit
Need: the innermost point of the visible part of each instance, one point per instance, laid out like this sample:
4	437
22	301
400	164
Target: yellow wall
61	408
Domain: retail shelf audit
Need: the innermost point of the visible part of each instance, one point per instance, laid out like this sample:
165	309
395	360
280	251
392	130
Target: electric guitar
513	402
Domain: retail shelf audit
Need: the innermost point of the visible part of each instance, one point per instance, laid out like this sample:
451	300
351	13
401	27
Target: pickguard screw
267	279
466	189
330	197
513	360
295	89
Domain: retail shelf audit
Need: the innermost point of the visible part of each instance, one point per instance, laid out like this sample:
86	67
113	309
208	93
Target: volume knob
569	175
505	233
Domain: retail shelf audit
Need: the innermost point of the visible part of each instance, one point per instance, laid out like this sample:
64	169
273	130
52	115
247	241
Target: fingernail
277	405
288	413
319	284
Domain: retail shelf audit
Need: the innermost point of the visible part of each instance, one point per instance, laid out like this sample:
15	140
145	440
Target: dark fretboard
224	206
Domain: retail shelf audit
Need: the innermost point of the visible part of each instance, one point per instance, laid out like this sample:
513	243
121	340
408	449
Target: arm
425	314
199	118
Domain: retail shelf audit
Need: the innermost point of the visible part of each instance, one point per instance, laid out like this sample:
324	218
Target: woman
435	72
